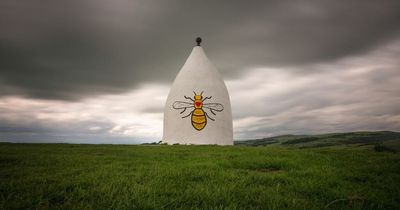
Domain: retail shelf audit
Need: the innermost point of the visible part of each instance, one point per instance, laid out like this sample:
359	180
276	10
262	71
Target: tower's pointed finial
198	40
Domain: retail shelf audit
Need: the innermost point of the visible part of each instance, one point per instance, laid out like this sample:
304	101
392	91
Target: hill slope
386	139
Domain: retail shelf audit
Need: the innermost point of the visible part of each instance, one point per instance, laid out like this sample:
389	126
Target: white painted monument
198	109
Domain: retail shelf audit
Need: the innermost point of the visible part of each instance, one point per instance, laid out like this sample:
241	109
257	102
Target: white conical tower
198	109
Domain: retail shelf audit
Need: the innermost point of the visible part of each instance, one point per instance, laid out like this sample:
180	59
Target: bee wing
214	107
182	105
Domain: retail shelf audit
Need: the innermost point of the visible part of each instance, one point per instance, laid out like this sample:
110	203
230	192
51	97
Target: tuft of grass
384	148
63	176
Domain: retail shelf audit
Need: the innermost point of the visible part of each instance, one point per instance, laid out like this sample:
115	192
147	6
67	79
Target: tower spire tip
198	41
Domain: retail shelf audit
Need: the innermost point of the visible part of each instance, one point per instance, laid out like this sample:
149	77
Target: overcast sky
99	71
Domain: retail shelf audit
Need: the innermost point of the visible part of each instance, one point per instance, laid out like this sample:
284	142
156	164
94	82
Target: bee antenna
194	93
201	93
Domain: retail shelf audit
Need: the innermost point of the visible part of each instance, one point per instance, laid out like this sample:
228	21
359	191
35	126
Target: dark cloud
355	93
31	130
71	49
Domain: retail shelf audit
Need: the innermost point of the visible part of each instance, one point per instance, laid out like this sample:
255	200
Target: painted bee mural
198	114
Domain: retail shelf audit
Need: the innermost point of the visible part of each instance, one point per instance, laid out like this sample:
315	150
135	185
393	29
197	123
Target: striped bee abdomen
199	120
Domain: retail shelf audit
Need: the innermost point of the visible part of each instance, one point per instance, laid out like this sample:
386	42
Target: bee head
198	97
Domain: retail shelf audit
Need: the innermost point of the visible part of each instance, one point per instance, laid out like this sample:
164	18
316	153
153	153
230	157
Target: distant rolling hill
382	140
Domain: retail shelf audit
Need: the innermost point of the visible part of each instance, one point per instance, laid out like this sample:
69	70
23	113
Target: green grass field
63	176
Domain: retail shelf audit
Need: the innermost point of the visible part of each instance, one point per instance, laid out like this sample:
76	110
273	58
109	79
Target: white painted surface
198	74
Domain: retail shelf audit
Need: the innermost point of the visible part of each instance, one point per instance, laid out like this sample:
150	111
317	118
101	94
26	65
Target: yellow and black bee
198	115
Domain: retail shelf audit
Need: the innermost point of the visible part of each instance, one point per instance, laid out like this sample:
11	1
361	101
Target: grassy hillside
197	177
385	140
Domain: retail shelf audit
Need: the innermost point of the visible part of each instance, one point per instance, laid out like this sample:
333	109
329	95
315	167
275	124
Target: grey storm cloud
355	93
73	49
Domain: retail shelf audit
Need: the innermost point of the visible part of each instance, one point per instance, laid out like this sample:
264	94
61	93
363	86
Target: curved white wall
198	74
